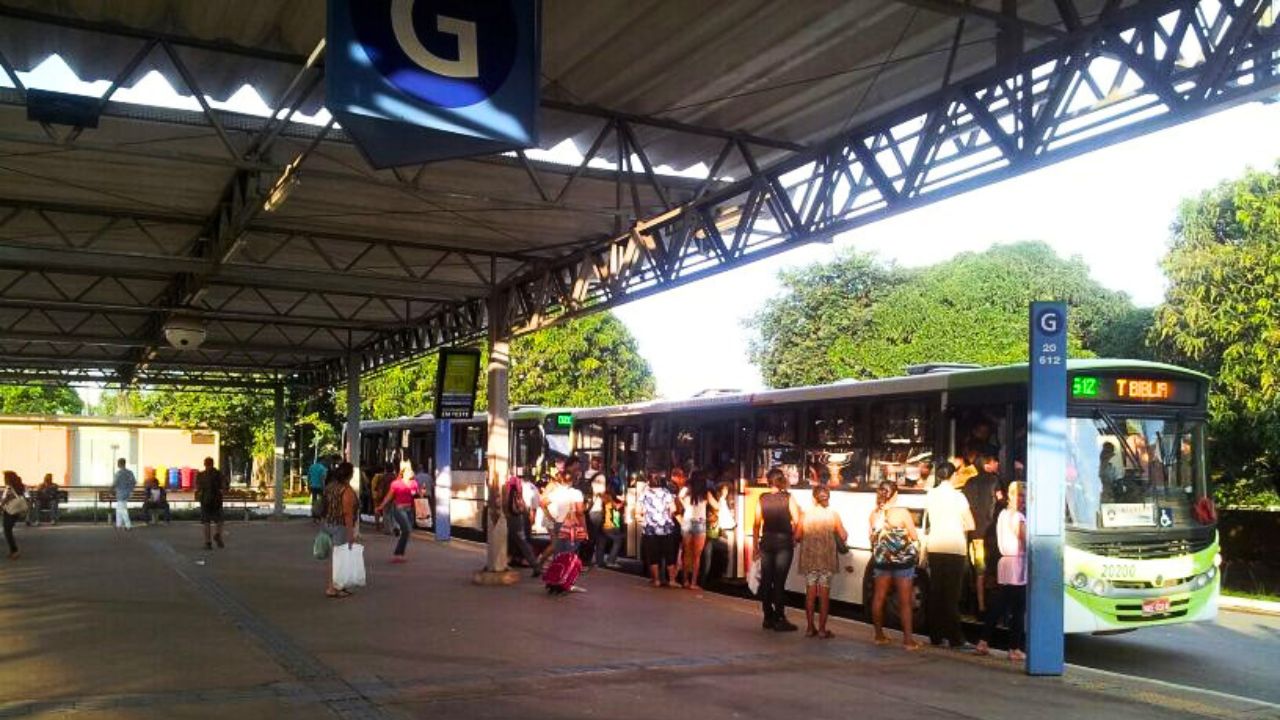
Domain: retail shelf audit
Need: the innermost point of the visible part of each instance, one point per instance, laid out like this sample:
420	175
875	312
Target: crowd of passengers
972	521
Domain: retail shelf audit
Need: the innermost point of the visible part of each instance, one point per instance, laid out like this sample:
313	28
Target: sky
1112	207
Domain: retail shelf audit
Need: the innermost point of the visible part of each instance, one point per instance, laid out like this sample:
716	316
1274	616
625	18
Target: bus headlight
1080	581
1100	587
1201	580
1211	573
1217	559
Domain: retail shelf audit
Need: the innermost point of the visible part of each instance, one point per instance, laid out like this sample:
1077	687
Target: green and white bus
1141	538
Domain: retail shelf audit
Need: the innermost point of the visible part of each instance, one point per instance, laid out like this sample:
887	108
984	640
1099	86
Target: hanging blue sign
1046	477
413	81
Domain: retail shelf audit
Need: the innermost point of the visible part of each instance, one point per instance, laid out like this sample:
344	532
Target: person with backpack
518	504
894	554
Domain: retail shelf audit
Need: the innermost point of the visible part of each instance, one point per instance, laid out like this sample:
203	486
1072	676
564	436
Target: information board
457	374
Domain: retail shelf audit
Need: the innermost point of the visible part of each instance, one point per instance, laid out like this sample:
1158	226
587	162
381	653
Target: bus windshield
1135	474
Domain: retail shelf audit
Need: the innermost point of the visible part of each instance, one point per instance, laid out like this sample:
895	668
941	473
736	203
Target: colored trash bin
174	478
188	476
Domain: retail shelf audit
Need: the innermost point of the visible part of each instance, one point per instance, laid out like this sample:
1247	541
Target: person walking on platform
1011	576
947	522
594	487
211	484
316	475
12	502
777	528
341	508
123	483
400	496
610	542
518	501
823	533
894	554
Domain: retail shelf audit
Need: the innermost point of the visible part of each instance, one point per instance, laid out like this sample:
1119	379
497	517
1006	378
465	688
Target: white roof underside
356	252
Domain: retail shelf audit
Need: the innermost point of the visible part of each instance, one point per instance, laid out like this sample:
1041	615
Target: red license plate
1155	606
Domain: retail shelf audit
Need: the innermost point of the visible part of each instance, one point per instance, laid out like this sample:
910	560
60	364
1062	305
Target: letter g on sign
1049	322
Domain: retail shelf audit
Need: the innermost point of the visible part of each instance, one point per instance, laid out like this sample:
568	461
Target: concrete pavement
104	624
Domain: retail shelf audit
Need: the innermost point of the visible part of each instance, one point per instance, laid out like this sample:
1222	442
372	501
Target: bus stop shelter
693	138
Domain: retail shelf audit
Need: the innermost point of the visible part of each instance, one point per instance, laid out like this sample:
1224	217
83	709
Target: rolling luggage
562	572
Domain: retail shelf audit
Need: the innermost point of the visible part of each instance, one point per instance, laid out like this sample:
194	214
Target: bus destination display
1132	389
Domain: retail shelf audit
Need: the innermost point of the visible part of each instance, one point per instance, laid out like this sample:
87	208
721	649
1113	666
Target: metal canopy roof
108	233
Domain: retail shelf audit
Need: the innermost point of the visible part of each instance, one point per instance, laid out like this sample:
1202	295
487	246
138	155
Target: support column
277	459
353	418
497	452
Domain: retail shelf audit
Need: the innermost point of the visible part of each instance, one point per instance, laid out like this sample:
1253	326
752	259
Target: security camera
184	334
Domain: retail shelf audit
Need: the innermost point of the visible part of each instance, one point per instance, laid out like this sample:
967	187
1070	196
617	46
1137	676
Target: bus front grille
1144	549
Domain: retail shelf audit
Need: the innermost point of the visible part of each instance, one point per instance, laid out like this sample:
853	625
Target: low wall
1250	550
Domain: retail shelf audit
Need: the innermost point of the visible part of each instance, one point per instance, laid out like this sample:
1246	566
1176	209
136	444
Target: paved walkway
103	624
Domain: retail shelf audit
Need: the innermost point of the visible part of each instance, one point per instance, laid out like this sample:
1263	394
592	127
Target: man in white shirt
947	522
123	484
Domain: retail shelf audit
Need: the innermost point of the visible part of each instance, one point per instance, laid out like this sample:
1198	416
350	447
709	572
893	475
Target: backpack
515	504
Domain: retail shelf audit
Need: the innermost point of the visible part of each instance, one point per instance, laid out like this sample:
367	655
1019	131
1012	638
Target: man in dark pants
519	500
948	521
981	491
211	485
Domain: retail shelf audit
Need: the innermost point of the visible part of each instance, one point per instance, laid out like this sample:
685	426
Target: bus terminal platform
101	623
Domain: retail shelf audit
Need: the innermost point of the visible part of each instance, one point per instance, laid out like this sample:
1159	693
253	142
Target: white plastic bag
348	566
753	576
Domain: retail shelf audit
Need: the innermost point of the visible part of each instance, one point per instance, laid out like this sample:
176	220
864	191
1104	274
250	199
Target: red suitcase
562	572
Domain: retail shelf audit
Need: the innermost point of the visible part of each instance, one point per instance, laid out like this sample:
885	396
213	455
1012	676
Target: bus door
422	450
992	422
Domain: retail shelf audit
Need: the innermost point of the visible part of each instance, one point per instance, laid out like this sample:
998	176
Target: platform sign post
444	478
457	375
1046	475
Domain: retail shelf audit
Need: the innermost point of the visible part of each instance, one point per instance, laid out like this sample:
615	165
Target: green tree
1222	315
244	419
39	400
857	318
587	361
823	313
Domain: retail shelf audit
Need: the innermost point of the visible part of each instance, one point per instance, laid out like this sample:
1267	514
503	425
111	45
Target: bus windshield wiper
1115	429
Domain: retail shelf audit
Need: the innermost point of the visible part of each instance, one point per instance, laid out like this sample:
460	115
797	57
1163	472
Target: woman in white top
693	526
1011	575
947	522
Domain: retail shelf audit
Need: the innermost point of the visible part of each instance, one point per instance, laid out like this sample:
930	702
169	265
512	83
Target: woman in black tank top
776	532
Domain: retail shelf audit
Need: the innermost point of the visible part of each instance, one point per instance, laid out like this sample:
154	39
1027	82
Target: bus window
683	449
528	448
624	452
902	437
657	445
778	445
468	447
836	449
589	442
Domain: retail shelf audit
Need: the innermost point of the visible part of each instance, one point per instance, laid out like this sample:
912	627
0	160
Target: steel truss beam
1149	66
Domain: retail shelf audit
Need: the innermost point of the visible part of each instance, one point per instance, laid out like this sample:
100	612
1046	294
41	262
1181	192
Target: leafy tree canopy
860	318
39	400
588	361
1222	315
